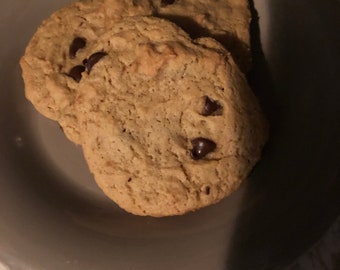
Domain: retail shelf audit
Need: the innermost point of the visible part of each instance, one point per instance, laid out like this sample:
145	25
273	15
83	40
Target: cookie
225	20
60	43
168	124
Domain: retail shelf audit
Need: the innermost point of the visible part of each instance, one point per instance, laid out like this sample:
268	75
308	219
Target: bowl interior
53	216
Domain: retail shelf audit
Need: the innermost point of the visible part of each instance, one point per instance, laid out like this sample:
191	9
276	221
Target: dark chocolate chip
165	3
76	72
211	107
77	44
201	147
93	59
207	190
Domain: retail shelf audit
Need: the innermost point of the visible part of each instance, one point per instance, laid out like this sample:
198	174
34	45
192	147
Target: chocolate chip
93	59
211	107
167	2
76	72
77	44
207	190
201	147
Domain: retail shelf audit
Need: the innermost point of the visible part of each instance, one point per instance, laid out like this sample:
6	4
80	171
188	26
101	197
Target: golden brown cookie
52	63
59	44
168	124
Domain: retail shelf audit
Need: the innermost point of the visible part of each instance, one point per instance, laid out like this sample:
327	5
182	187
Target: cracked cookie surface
52	65
168	124
60	44
224	20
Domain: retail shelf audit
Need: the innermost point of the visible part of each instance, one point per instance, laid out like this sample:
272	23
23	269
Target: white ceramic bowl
53	216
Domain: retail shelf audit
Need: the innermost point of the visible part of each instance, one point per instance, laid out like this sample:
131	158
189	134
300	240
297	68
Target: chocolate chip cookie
168	124
52	64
